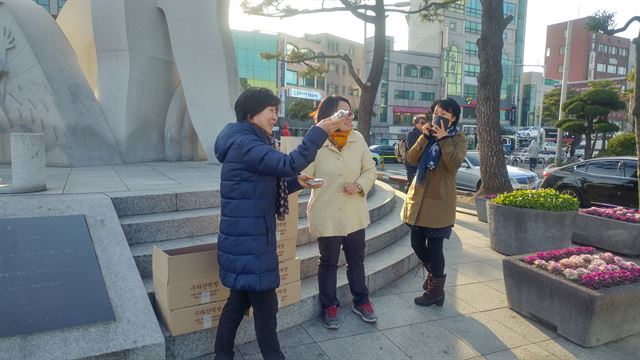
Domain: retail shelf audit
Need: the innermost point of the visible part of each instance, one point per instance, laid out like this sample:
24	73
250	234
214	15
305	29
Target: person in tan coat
337	212
430	206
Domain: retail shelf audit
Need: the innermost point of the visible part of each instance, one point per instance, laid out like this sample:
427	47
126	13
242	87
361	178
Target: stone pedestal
481	208
27	163
514	230
607	234
586	317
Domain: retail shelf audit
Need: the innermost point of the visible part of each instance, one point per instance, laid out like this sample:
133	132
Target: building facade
594	56
410	83
453	35
53	7
530	99
292	82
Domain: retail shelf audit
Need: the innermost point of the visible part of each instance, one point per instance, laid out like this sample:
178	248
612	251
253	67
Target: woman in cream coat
338	213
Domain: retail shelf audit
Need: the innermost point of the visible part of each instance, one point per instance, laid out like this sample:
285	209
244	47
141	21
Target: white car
531	132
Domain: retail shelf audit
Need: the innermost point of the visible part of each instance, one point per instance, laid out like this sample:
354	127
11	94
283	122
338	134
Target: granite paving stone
290	337
429	340
480	296
373	346
393	312
528	352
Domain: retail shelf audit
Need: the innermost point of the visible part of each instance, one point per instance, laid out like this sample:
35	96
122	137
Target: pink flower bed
617	213
586	267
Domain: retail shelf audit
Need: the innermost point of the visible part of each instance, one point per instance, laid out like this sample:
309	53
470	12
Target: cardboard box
289	271
287	294
187	276
288	229
286	249
193	318
189	293
184	264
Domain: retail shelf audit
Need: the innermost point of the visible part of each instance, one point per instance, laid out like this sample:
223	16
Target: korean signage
305	94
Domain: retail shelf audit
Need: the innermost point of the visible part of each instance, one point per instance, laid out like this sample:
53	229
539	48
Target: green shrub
544	199
622	145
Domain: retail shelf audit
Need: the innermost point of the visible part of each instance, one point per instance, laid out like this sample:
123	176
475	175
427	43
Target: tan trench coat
332	212
433	203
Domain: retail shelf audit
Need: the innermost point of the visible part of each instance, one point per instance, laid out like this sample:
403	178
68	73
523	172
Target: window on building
472	27
457	6
452	26
320	82
320	60
562	49
399	71
344	69
307	81
548	52
403	95
352	50
622	70
601	67
603	48
612	50
427	96
332	45
333	67
411	71
505	35
291	77
623	52
471	48
426	72
612	69
474	8
331	89
471	70
509	9
470	91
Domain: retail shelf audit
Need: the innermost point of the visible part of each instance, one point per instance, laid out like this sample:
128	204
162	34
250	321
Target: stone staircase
172	220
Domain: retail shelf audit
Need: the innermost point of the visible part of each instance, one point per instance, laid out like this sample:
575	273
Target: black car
609	180
386	151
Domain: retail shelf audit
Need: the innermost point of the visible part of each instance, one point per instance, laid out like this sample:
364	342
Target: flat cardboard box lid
184	264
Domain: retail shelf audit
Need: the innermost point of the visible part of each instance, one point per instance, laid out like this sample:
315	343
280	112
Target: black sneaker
330	317
366	312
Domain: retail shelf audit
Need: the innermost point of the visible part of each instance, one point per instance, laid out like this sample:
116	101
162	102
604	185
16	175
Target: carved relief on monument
32	100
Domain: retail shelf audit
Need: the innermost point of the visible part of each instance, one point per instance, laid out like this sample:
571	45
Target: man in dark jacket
411	138
254	183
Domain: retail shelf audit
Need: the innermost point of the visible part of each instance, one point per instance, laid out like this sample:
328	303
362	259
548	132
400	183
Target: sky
540	13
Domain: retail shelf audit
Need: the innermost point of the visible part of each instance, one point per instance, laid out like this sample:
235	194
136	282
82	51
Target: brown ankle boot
427	280
434	294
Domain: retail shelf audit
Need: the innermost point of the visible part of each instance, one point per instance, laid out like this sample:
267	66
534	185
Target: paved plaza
474	323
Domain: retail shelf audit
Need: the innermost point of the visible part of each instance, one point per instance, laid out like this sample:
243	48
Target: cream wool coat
331	211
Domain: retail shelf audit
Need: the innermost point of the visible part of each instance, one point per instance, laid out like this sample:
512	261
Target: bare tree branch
615	31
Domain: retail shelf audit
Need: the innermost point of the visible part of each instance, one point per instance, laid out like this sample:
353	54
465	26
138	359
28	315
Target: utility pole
563	91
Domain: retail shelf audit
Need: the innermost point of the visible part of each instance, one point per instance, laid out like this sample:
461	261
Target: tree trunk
370	89
493	170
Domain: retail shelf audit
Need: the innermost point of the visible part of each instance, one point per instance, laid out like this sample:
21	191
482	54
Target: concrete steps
172	220
382	268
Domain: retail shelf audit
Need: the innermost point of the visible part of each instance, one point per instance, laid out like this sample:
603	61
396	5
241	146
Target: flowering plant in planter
586	267
543	199
617	213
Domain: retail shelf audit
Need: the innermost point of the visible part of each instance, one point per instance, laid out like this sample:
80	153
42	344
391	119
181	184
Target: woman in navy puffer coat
251	179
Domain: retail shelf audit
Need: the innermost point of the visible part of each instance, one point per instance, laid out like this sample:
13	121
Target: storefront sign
305	94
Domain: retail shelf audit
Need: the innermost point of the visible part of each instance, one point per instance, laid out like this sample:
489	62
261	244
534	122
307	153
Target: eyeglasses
421	122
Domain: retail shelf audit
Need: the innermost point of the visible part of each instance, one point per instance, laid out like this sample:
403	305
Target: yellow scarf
339	138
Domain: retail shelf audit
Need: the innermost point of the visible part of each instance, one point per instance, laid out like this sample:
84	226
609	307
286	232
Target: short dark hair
449	105
253	101
328	106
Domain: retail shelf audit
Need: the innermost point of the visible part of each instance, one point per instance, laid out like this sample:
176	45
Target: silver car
468	177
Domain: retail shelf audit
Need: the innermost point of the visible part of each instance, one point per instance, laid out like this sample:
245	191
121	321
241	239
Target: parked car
521	158
531	132
607	180
468	177
385	151
376	158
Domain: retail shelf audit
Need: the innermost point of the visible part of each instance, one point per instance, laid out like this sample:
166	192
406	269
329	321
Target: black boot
427	281
434	294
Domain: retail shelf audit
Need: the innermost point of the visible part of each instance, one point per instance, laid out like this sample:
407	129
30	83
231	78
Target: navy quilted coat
247	236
